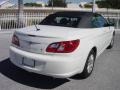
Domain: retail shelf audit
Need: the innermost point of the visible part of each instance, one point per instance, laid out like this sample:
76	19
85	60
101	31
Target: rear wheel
89	65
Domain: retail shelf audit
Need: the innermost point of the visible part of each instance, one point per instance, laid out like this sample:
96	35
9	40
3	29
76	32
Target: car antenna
36	27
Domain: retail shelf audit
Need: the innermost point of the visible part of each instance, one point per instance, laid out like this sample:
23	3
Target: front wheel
89	65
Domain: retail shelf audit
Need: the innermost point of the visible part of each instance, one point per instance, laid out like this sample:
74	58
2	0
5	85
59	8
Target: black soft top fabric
73	13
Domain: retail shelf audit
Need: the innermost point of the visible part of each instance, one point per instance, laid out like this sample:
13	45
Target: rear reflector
15	40
63	47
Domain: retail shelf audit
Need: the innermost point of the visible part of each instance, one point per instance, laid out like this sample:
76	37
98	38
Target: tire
111	43
89	65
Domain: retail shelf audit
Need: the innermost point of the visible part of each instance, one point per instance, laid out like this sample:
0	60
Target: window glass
98	21
65	21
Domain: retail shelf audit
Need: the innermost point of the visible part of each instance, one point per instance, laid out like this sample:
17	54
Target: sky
25	1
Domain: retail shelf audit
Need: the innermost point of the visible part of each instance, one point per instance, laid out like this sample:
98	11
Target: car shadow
77	77
30	79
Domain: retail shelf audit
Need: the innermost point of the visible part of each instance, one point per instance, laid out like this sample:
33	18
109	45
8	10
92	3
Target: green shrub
88	6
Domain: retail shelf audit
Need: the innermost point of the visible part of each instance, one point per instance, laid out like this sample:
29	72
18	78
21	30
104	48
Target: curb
7	32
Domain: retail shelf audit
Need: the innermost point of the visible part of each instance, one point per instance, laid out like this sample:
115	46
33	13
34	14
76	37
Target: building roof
3	2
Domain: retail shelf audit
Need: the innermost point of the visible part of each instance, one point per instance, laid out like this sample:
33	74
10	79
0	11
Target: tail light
15	40
63	47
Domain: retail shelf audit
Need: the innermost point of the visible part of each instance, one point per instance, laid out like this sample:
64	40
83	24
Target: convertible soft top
74	13
76	19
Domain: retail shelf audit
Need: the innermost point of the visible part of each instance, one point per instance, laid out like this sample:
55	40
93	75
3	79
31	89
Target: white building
82	4
5	4
41	2
73	5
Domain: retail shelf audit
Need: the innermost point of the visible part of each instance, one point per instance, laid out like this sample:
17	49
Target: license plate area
28	62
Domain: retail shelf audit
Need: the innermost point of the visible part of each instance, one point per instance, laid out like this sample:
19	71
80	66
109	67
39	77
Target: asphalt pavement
106	74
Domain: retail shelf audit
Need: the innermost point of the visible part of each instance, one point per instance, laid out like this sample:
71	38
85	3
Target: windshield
65	21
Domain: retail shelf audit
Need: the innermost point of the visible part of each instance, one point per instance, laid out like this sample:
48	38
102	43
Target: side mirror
109	24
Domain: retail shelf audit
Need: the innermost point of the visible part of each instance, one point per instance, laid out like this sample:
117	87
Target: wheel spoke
90	64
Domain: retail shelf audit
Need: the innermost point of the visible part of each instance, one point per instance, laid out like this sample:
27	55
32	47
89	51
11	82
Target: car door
108	30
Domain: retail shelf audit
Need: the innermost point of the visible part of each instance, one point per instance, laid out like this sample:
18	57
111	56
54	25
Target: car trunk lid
36	41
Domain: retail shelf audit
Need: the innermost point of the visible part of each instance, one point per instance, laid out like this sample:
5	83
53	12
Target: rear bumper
55	66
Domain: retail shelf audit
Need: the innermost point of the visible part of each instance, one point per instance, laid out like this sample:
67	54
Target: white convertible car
63	44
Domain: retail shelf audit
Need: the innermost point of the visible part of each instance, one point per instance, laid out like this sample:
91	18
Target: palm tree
57	3
109	4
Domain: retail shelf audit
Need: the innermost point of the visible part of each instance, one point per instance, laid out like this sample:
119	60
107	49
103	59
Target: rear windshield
76	20
65	21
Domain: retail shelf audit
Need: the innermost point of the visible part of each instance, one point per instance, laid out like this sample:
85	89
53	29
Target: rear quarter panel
95	39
